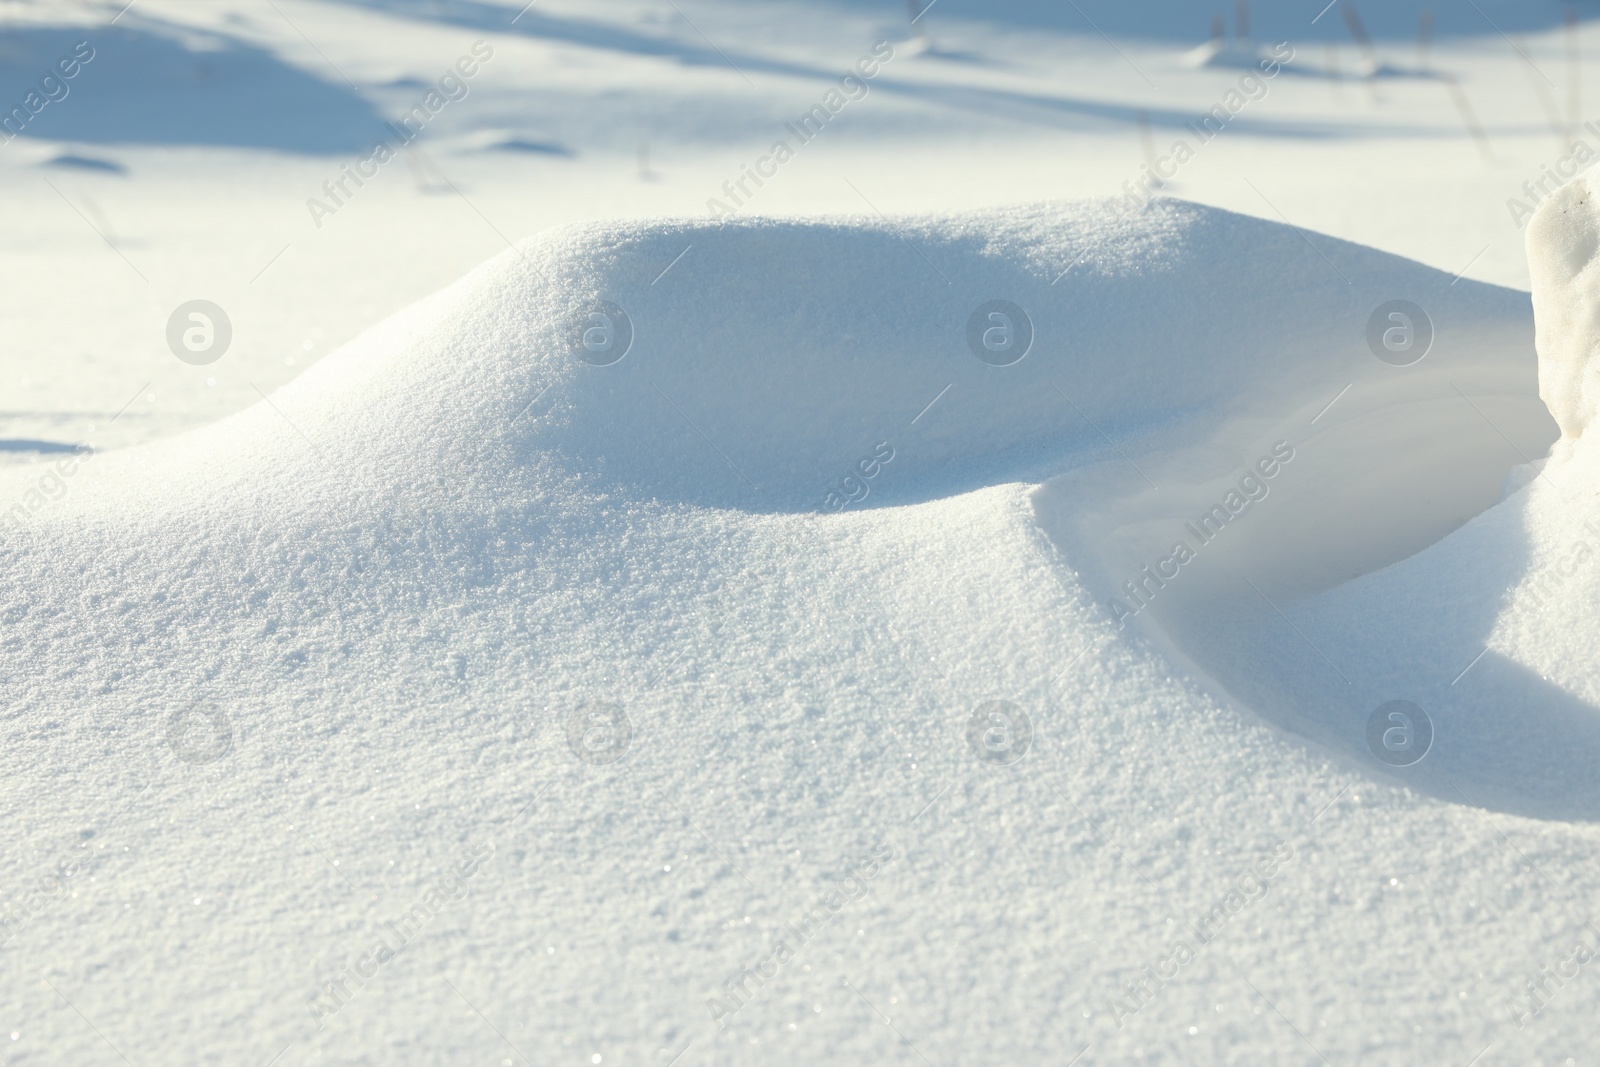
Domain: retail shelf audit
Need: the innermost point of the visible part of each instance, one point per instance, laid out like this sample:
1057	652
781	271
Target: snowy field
685	532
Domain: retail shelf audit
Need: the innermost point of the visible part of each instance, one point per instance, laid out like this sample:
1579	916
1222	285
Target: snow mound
805	367
582	566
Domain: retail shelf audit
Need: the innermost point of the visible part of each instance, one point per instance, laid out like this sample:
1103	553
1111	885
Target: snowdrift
472	445
672	560
811	367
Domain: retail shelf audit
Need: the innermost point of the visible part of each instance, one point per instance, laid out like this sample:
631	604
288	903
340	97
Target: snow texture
404	598
681	643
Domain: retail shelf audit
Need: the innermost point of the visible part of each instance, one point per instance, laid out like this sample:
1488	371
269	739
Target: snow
1562	242
568	626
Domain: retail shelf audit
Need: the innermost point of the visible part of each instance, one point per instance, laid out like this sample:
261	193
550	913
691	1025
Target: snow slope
572	658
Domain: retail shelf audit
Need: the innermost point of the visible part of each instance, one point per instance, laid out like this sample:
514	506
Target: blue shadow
1183	22
24	444
145	87
1055	111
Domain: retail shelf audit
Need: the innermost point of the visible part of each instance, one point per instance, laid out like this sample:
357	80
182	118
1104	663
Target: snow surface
401	576
599	682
